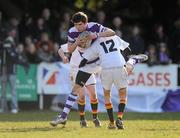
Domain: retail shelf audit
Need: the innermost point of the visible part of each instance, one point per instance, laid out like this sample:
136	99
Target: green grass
137	125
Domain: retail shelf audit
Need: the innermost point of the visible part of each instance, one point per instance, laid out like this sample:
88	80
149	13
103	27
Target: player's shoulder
108	38
115	37
73	33
72	29
104	39
120	39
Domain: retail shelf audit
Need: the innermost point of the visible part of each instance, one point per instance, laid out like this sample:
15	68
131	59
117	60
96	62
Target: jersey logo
82	83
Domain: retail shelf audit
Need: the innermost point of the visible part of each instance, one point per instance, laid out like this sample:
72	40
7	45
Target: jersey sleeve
123	44
70	39
102	28
64	47
96	27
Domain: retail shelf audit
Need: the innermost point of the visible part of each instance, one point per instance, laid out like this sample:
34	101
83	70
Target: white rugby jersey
64	47
76	57
108	50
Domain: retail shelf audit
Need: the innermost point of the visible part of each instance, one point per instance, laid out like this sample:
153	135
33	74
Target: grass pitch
35	124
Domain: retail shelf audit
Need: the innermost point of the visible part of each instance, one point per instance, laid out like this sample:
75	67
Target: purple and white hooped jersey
93	27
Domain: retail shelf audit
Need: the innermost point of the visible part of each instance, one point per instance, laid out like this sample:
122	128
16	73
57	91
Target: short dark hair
79	17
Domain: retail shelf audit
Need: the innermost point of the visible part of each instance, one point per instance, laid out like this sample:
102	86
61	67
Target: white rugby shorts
117	76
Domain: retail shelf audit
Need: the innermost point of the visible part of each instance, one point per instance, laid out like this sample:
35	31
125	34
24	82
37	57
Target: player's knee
123	100
93	97
129	68
76	88
107	97
82	97
123	91
123	95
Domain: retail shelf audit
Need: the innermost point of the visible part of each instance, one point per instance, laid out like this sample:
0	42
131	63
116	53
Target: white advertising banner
162	77
53	78
148	86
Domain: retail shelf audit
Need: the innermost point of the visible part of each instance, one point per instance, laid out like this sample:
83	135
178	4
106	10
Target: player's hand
65	60
92	36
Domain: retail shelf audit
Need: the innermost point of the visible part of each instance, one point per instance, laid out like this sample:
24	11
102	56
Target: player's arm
124	46
104	32
74	42
72	46
61	50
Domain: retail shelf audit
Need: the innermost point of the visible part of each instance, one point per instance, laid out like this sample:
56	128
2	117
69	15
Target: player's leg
81	107
81	79
106	79
133	60
94	103
109	108
121	82
121	107
81	99
62	117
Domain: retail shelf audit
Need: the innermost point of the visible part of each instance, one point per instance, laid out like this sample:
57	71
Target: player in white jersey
74	67
113	72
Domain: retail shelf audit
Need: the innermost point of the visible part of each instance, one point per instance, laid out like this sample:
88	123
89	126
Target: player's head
84	35
80	20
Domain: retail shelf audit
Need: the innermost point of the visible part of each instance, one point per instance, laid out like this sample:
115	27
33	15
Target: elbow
70	50
111	32
59	50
